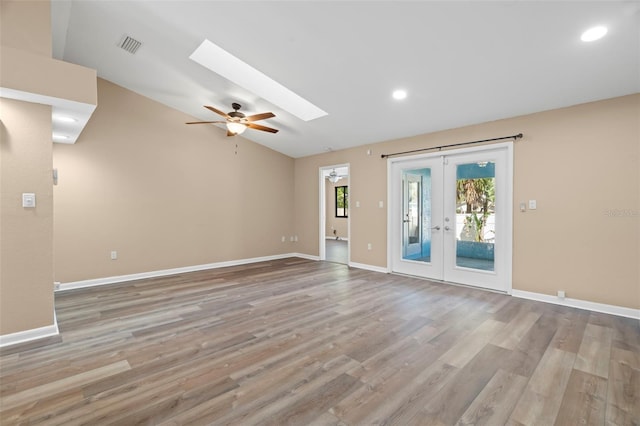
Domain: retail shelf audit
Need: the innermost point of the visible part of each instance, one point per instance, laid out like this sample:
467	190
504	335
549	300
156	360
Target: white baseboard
581	304
29	335
164	272
369	267
305	256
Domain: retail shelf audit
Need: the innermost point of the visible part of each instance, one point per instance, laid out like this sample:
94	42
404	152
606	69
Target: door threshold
450	283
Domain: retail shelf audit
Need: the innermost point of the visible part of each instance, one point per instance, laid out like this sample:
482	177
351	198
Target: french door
450	216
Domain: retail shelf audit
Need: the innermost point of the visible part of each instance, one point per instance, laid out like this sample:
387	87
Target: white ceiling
461	62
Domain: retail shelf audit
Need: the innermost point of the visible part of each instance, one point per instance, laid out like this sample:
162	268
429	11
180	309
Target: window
342	201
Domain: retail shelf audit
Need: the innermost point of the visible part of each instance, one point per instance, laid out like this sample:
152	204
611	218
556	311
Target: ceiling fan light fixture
236	128
333	176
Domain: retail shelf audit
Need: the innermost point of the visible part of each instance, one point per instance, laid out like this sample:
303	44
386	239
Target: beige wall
26	25
163	194
36	74
580	164
339	224
26	234
26	266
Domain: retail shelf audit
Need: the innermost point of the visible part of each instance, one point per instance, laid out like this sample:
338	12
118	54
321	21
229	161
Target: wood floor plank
394	378
623	390
314	404
464	351
458	394
570	331
540	402
526	356
626	334
595	349
584	400
518	327
398	401
496	401
298	342
35	393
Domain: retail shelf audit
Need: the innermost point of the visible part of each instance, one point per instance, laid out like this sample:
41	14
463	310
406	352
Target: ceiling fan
237	122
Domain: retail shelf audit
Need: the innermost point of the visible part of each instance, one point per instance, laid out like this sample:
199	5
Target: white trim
369	267
580	304
59	106
322	214
305	256
29	335
328	237
164	272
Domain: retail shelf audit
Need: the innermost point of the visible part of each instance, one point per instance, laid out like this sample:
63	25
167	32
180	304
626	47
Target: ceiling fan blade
263	128
262	116
217	111
230	133
204	122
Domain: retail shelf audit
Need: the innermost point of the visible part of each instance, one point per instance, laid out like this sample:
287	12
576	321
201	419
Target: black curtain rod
439	148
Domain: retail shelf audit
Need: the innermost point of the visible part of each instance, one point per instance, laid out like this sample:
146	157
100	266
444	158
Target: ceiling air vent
130	44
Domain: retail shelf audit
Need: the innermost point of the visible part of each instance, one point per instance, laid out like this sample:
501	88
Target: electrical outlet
369	246
284	238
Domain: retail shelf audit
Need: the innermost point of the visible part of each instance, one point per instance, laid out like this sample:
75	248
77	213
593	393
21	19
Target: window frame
345	201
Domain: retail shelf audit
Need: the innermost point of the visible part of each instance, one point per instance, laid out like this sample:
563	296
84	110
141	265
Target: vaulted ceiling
460	62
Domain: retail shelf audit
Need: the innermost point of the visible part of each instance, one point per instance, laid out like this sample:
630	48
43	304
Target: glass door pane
415	217
416	231
475	215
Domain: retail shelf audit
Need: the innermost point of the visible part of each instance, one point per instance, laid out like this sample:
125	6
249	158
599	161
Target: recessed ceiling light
64	119
399	94
593	34
218	60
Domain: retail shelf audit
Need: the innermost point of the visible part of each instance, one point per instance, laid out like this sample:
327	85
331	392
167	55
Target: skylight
218	60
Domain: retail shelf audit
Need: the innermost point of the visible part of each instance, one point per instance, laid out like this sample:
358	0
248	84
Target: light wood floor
296	342
337	251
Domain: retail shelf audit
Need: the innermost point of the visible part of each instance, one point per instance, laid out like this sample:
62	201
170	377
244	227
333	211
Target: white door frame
508	202
322	190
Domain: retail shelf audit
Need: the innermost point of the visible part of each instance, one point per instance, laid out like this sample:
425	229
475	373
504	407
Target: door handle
446	228
437	227
406	220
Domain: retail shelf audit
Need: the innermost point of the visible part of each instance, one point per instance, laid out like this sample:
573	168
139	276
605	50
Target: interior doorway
450	216
334	213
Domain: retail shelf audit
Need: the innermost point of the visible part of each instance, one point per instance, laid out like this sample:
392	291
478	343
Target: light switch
532	204
357	203
28	200
523	207
380	204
